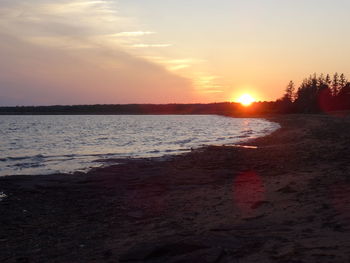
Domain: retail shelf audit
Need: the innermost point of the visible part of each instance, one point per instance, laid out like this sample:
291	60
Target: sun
246	100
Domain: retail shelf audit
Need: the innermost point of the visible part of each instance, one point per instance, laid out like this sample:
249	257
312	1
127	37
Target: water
51	144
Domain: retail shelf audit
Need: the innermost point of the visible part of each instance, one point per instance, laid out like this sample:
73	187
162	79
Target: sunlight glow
246	100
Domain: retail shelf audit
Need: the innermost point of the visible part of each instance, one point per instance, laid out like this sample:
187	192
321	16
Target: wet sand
288	200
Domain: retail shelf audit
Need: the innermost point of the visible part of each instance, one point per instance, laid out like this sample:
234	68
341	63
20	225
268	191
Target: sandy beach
286	199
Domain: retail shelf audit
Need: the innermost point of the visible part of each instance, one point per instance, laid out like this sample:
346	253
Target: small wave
171	151
67	155
18	158
182	141
154	151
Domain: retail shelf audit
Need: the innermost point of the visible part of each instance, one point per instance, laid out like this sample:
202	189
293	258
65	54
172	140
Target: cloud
212	91
59	52
151	45
178	67
50	76
174	64
68	18
206	83
132	34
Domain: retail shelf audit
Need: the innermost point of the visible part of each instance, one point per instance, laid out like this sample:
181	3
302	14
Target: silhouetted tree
289	92
325	98
343	98
335	84
285	104
317	94
307	95
328	80
342	81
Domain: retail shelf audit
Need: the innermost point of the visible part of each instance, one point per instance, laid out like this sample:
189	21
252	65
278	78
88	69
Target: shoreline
285	201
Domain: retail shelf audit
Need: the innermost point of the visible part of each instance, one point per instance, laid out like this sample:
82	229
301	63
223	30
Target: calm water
49	144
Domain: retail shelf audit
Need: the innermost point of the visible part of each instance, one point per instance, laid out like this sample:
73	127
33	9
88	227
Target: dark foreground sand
286	201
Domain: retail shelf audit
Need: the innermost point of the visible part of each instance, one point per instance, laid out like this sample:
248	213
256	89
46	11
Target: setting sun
246	100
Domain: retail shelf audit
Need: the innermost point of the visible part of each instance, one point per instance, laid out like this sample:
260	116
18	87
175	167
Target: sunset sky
165	51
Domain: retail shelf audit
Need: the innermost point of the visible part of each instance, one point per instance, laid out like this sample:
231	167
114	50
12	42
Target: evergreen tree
335	84
342	81
290	91
321	80
317	94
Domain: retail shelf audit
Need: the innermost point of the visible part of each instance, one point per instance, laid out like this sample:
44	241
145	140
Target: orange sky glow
129	51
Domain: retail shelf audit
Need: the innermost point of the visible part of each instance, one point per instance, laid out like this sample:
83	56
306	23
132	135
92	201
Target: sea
37	144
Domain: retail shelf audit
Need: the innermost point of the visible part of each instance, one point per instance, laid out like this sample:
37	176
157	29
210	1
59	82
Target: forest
321	93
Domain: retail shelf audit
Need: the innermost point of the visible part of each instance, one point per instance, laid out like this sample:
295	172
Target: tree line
225	108
317	93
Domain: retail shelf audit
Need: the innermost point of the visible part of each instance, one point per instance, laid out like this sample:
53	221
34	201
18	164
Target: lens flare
248	192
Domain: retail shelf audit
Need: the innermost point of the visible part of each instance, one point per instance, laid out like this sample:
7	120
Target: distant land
224	108
316	94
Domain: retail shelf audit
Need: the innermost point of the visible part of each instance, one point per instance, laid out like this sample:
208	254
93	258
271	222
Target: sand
288	200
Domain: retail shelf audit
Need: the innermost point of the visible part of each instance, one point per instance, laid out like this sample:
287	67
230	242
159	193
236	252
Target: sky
165	51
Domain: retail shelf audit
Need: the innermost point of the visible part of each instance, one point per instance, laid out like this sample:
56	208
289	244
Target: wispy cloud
60	51
174	64
182	61
96	37
206	83
212	91
132	34
179	67
77	19
151	45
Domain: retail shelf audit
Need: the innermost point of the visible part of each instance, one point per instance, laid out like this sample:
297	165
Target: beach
284	198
